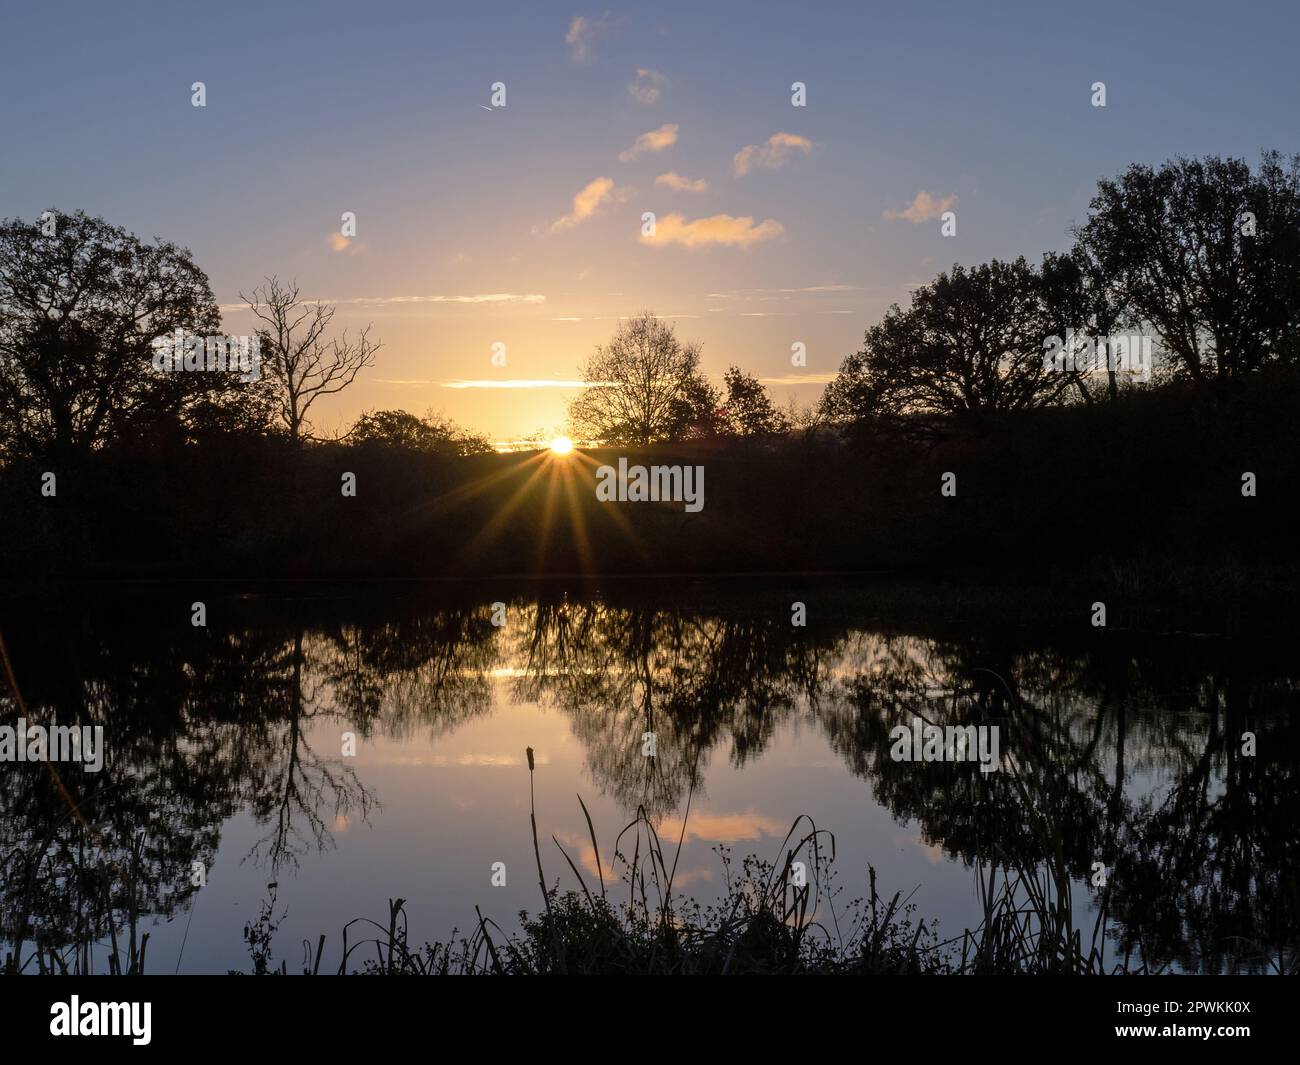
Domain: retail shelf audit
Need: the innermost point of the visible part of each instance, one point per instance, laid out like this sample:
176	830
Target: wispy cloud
717	229
747	293
770	155
677	183
923	208
582	35
647	87
519	382
799	379
489	297
493	383
614	317
588	201
654	141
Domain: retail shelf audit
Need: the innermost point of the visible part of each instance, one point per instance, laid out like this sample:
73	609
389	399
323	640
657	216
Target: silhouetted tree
297	358
644	387
430	434
747	409
1079	299
1209	254
80	303
971	343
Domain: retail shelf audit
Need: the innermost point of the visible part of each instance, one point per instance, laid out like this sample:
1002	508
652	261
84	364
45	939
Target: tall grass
780	916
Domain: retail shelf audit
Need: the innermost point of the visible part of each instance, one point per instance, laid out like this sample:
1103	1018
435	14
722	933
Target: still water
1167	766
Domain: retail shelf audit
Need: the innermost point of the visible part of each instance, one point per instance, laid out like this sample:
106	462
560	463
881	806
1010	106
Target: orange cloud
717	229
587	202
923	208
770	155
519	382
677	183
722	828
654	141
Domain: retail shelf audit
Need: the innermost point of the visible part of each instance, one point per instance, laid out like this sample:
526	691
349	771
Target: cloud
717	229
799	379
722	828
747	293
525	383
677	183
654	141
923	208
583	33
648	86
770	155
588	201
494	383
342	245
490	297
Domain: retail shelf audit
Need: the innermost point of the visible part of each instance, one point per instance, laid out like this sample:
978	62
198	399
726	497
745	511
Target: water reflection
1122	752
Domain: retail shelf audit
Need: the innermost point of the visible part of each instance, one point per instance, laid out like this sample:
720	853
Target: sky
522	225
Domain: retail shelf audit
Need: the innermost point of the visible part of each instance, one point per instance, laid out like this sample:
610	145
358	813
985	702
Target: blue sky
379	109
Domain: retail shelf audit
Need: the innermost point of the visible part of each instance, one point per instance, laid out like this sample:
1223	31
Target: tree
296	357
404	431
970	344
695	412
1209	255
643	387
747	409
80	303
1079	299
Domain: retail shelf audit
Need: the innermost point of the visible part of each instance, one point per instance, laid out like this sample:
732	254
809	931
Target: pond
353	746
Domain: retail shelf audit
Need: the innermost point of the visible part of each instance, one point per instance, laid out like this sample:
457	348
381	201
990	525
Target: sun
561	445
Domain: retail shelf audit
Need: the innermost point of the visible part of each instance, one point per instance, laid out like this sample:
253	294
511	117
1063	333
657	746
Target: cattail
530	759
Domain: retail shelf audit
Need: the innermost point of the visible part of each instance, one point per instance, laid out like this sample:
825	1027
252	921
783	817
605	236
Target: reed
781	916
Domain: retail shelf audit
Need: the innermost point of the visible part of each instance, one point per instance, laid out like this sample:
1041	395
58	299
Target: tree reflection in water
1129	754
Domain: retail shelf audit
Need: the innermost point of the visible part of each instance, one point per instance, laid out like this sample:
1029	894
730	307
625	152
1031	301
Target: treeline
1154	480
995	421
1201	257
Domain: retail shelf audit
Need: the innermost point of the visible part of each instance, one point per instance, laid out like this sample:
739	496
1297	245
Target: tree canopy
81	302
1201	255
970	343
747	409
644	387
1208	254
401	430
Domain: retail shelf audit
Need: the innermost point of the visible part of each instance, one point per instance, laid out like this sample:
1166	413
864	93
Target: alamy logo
59	743
1128	353
102	1018
923	742
655	484
182	351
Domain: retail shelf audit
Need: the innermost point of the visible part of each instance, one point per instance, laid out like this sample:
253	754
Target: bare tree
644	386
295	354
